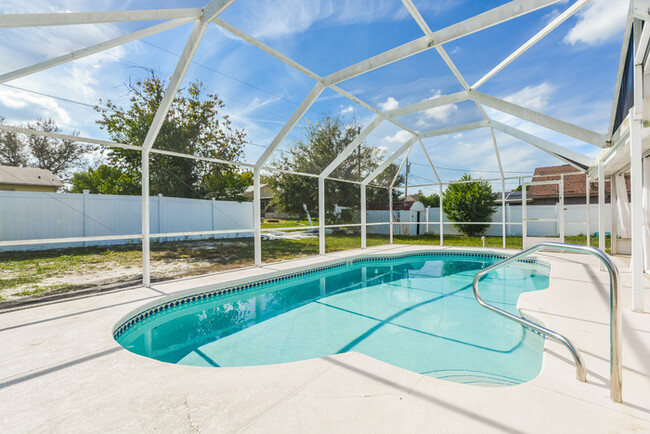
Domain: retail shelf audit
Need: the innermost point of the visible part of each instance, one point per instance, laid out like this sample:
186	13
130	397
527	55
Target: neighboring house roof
28	176
265	191
574	183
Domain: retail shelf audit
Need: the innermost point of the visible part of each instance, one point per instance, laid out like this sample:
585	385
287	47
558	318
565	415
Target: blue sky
570	74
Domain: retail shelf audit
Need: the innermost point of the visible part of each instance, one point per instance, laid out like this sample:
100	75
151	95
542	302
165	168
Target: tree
13	151
59	156
320	143
469	201
193	125
105	180
433	200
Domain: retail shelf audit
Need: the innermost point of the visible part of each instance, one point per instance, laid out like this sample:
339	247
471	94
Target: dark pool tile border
242	286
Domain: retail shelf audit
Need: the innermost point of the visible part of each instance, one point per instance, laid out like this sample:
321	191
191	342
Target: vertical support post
561	208
390	215
442	226
613	247
503	211
636	177
85	214
363	216
257	217
426	230
636	205
146	248
321	216
588	202
213	204
524	228
601	208
159	227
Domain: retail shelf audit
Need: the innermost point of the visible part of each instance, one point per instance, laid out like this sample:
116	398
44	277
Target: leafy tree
59	156
13	151
105	180
194	126
433	200
471	201
320	143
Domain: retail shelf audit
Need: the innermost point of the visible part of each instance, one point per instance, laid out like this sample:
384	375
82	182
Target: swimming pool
415	311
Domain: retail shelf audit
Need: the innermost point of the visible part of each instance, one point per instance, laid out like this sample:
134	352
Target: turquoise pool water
417	313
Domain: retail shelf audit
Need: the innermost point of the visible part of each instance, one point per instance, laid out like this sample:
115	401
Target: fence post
85	215
363	216
427	226
160	198
503	211
390	215
212	203
442	227
587	201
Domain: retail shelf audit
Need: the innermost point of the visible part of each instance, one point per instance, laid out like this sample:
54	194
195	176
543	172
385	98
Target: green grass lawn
287	223
33	273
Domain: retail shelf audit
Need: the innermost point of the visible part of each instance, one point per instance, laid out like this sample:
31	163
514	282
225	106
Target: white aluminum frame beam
93	49
569	12
209	13
428	104
262	46
401	165
352	146
435	172
620	70
415	13
471	25
541	119
73	18
642	49
388	161
293	120
454	129
496	151
637	117
566	155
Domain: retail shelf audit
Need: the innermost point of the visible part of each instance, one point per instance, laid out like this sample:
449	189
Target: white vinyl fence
33	216
575	218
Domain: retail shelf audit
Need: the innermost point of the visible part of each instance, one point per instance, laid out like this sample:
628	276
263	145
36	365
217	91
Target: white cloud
278	18
346	110
47	107
532	97
599	22
399	137
441	114
390	104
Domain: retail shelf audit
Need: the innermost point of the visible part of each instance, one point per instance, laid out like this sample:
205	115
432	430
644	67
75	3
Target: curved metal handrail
615	321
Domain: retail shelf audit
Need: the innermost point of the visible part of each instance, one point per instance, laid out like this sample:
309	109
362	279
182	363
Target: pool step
476	378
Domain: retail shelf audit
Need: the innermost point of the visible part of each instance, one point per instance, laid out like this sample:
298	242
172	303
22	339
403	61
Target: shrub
469	202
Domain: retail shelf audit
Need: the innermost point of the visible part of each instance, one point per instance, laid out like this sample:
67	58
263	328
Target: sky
570	74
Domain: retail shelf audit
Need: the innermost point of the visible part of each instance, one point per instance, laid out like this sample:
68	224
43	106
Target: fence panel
34	215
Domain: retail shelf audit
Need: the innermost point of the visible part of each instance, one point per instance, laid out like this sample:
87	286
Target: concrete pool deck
62	371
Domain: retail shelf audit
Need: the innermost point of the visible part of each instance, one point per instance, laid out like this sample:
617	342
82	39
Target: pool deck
61	371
